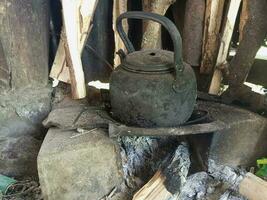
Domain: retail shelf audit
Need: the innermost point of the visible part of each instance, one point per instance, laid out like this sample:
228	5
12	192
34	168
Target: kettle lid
152	60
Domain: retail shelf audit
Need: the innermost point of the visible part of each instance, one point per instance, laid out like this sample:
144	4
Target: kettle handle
168	24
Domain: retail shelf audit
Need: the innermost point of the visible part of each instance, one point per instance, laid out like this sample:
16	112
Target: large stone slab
75	165
242	144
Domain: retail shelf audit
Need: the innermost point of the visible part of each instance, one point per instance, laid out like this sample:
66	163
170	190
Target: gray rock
85	166
21	132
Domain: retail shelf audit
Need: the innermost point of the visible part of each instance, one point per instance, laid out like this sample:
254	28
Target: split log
253	187
119	7
85	10
24	33
152	30
72	48
213	18
192	31
168	181
154	189
253	34
224	45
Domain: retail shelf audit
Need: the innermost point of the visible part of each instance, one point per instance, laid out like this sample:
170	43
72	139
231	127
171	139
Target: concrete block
85	166
242	144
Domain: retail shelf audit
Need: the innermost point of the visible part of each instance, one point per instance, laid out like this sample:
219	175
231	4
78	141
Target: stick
122	130
224	45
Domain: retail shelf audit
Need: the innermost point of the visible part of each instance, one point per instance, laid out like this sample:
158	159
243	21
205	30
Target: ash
143	156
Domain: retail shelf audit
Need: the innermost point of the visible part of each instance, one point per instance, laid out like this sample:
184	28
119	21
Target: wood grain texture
213	19
24	35
253	187
152	30
154	189
193	31
84	14
224	45
119	7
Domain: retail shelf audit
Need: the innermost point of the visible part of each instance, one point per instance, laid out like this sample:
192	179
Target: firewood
152	31
253	187
72	48
119	7
192	31
86	8
213	18
253	34
224	45
168	180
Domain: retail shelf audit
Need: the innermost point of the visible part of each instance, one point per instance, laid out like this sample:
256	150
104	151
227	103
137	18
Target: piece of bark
24	32
119	7
152	30
213	19
253	34
224	45
192	31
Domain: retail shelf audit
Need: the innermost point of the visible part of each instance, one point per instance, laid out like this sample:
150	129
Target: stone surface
242	144
21	132
85	166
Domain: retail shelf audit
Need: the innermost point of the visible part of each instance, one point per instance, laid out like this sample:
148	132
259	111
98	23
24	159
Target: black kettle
152	88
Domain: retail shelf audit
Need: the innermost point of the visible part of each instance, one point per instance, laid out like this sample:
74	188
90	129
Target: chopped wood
167	181
85	9
152	30
192	31
224	45
154	189
72	48
213	18
119	7
253	187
